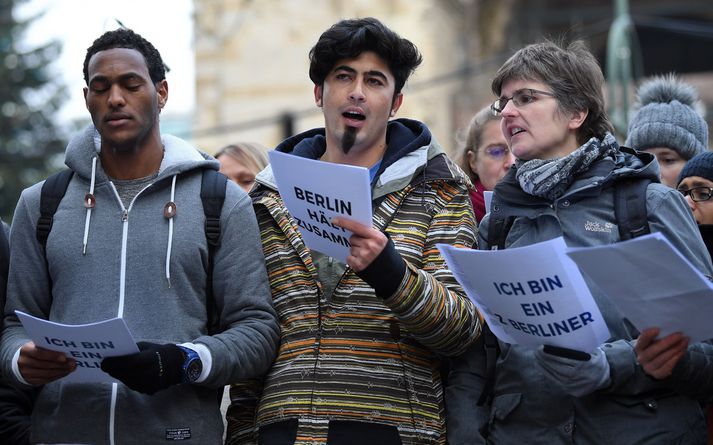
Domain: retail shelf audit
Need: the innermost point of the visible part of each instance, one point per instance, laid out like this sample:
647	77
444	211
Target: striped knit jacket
356	357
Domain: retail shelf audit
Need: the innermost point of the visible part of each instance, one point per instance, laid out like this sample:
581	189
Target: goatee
348	139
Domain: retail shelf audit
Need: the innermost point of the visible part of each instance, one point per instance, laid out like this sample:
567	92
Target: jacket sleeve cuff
206	359
386	272
16	368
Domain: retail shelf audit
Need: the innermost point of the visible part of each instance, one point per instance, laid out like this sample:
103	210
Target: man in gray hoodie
128	241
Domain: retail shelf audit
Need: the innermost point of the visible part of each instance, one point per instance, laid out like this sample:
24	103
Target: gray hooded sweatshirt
136	264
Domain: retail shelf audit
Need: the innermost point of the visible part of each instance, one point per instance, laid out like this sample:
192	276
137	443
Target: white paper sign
87	344
488	198
530	295
652	284
315	192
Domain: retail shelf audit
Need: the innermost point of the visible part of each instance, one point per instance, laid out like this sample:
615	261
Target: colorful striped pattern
359	357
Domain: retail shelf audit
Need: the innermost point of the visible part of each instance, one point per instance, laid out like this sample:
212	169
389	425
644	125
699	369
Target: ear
85	90
318	95
470	154
162	91
396	104
577	119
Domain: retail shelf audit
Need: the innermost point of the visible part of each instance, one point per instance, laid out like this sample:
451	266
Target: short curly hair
347	39
573	74
126	38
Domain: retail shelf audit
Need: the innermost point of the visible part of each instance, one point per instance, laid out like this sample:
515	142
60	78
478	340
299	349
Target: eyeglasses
698	194
520	98
497	151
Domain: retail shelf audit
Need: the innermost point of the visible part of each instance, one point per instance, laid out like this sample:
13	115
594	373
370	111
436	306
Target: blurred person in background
241	161
485	157
696	184
667	124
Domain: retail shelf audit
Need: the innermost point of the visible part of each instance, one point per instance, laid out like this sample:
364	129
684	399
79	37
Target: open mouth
354	115
516	130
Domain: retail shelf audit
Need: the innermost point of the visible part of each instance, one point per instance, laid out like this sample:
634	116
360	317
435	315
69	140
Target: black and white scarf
550	178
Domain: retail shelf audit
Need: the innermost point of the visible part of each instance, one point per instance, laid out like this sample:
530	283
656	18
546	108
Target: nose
691	202
116	96
357	93
509	109
509	160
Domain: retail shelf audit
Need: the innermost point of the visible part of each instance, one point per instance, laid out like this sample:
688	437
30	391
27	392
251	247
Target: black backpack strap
53	191
630	207
498	230
492	350
213	186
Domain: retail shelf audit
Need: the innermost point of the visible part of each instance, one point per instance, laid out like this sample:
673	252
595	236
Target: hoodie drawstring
89	202
169	211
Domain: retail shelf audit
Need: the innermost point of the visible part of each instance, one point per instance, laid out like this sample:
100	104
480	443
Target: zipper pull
125	216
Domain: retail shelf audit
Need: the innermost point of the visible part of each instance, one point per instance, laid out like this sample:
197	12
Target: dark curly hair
126	38
349	38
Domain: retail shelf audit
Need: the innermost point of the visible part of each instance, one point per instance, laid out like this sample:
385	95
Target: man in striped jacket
359	358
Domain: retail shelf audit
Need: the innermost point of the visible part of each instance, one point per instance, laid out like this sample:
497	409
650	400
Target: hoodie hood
82	156
409	147
179	156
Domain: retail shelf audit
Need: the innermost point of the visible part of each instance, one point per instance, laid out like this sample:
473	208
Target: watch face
194	369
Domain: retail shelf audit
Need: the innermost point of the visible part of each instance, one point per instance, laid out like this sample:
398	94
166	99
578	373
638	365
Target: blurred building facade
252	63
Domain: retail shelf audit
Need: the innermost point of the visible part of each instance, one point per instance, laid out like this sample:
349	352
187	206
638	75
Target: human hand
39	366
153	368
575	377
659	357
366	243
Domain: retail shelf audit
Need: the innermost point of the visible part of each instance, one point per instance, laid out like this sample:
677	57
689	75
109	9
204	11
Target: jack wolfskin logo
596	226
178	434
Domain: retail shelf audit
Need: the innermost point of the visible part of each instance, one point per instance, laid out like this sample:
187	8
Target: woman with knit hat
667	124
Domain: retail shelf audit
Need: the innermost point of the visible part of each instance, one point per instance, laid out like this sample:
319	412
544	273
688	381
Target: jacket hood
409	148
626	162
179	156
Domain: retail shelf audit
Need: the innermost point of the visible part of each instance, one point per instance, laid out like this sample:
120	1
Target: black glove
154	368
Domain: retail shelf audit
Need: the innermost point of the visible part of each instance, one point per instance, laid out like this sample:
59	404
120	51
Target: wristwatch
192	365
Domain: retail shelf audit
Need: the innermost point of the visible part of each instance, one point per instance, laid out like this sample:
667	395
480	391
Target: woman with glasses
485	157
551	105
696	184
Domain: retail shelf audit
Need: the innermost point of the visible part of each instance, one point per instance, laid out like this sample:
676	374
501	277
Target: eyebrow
700	184
131	75
373	73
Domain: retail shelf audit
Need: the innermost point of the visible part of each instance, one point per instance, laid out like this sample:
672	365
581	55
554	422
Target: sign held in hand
531	295
87	344
314	192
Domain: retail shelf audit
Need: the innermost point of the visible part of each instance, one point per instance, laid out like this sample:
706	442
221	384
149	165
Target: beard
348	139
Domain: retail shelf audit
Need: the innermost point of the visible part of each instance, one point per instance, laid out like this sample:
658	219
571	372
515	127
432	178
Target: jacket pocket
349	432
500	409
278	433
503	405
